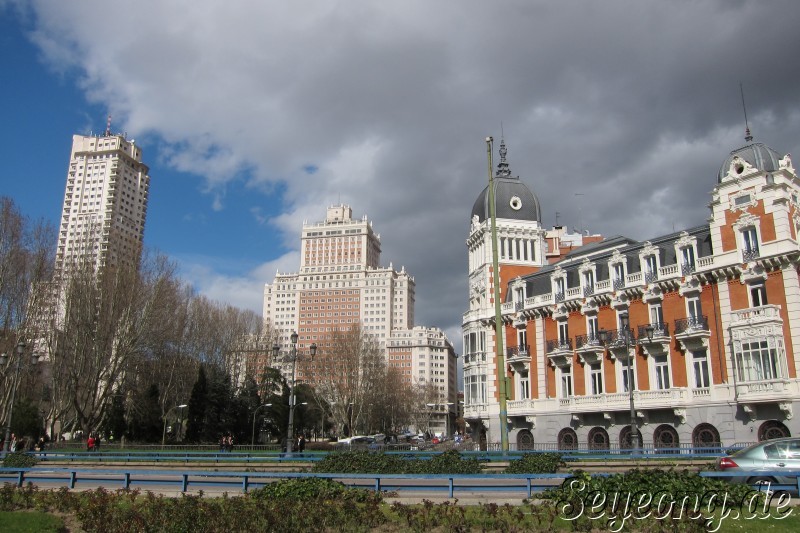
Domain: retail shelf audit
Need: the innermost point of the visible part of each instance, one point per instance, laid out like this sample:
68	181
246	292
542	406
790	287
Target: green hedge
535	463
19	460
364	462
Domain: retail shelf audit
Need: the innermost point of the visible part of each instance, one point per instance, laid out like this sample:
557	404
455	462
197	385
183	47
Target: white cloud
632	105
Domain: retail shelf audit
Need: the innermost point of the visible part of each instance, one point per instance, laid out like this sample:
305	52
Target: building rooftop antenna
747	136
108	127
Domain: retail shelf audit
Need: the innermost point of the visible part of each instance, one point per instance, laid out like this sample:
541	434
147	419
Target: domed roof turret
758	155
513	199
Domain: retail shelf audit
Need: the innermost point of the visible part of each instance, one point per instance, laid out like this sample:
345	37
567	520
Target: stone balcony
754	316
782	392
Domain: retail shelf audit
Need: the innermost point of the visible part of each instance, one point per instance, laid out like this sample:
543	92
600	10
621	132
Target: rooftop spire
747	136
502	167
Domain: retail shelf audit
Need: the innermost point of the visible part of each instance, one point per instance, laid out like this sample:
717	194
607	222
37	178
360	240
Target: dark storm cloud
617	114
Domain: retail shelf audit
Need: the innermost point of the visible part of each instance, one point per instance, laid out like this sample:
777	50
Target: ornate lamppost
253	437
625	334
292	357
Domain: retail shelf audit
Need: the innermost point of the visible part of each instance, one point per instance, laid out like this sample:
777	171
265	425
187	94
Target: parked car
769	456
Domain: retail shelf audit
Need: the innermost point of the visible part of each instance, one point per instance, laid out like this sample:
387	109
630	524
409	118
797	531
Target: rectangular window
656	315
592	328
588	280
700	367
687	254
522	340
662	371
566	382
563	332
596	377
651	266
560	288
750	242
628	375
758	295
759	361
524	386
619	275
695	310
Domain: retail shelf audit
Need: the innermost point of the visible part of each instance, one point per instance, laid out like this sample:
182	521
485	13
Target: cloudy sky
256	115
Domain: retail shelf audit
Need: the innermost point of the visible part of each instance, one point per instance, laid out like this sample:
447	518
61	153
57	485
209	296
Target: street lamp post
253	438
4	360
625	331
166	415
293	356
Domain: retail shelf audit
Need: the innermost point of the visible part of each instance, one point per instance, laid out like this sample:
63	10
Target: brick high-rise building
341	283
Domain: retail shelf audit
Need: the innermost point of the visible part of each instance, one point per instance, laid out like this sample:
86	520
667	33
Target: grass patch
30	522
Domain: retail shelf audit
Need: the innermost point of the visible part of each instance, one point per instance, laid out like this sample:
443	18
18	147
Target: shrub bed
364	462
535	463
19	460
320	505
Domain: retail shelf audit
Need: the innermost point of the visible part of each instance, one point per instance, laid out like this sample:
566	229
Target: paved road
169	482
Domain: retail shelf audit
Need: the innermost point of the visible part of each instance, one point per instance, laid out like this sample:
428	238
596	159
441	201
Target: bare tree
423	394
348	368
26	261
103	325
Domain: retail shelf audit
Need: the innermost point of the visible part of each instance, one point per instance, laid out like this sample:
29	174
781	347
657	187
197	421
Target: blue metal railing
525	483
469	451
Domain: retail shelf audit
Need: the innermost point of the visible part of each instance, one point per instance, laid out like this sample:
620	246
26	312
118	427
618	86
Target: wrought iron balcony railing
692	323
750	255
592	339
558	344
660	329
523	350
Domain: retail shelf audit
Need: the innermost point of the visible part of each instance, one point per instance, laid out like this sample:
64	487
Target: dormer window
650	268
687	260
619	275
519	298
588	283
749	243
559	289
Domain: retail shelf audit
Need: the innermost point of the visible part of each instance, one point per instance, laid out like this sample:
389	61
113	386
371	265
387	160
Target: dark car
770	456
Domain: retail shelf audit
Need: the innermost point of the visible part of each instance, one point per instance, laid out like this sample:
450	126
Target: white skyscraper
105	203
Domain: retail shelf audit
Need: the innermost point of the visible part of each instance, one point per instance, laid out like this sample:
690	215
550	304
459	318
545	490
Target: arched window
706	436
598	439
524	440
665	439
567	439
625	438
772	429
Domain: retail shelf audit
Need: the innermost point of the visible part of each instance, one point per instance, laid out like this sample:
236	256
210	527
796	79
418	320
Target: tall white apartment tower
105	203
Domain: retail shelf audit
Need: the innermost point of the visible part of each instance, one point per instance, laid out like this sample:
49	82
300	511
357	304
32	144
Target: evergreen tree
198	405
145	416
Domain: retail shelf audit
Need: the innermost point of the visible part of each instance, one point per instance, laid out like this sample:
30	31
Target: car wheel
760	480
764	480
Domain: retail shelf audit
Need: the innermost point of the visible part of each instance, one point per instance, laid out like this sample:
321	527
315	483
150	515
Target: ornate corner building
695	333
